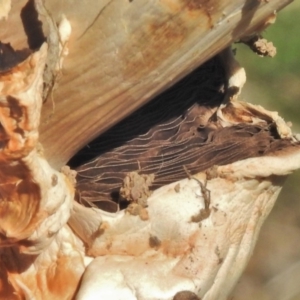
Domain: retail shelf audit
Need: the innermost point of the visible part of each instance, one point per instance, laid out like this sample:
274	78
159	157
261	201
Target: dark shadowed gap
32	26
176	132
197	87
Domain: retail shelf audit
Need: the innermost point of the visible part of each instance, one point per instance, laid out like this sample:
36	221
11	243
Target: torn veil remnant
260	46
135	188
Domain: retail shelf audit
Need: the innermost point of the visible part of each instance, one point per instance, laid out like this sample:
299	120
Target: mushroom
192	234
193	190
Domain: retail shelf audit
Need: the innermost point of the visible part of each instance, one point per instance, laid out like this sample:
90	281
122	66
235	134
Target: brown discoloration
264	48
186	295
202	215
154	242
16	110
205	8
18	119
101	230
218	253
9	57
62	271
260	46
19	207
16	125
133	209
153	43
54	180
137	210
57	267
175	247
239	115
12	263
177	188
195	6
205	194
32	214
20	74
136	188
70	174
167	30
211	173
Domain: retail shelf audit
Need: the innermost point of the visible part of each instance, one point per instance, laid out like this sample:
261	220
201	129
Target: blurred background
274	269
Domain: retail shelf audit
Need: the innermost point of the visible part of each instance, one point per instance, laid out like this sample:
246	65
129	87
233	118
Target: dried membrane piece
260	46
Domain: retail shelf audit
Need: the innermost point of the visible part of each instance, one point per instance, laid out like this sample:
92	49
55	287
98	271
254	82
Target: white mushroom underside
206	257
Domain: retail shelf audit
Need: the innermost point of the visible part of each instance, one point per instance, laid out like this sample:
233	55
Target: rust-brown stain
166	31
151	45
54	180
19	209
154	242
195	4
62	278
6	289
194	7
57	279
